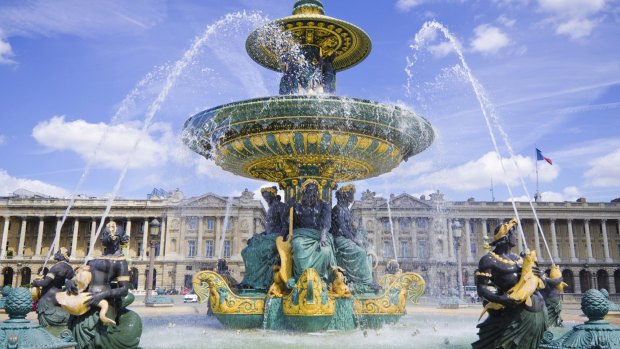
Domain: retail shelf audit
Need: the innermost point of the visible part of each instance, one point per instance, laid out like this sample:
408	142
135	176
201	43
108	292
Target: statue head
269	193
505	233
62	255
346	194
111	227
309	192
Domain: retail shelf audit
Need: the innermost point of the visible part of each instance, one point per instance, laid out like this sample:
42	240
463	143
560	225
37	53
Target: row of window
192	223
423	249
209	250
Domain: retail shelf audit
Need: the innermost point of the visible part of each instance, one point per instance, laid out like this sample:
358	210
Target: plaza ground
571	311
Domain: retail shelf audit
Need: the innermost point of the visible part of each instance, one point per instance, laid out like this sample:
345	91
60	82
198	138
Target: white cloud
442	49
85	139
489	39
477	174
2	139
9	184
572	8
508	22
6	52
574	18
604	171
406	5
577	28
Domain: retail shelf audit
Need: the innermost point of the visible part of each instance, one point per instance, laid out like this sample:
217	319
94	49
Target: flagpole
537	196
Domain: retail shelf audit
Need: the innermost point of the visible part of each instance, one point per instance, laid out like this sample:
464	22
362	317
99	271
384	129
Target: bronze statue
261	255
517	317
49	312
105	281
312	246
554	287
350	253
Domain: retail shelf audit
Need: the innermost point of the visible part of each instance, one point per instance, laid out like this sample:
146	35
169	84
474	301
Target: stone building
583	237
192	233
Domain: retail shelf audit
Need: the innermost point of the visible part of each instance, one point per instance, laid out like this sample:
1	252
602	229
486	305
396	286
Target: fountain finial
306	7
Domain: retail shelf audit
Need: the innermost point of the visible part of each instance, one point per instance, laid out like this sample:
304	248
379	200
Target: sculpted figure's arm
484	274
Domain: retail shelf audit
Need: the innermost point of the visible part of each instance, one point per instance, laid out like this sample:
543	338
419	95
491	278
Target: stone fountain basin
275	138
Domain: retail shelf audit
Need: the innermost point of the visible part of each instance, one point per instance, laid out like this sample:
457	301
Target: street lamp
457	233
154	227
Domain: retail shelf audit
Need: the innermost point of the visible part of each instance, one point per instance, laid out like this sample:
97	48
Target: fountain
307	135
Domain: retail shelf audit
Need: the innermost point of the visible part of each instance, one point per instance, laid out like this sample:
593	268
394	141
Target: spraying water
392	227
225	227
176	70
487	109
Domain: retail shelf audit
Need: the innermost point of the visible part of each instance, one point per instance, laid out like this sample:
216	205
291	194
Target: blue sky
78	79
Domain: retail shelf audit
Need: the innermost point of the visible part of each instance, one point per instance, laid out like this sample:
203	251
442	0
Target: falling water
225	226
487	109
176	70
123	109
392	227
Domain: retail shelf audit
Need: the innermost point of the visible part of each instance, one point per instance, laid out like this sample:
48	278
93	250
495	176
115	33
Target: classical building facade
583	237
194	233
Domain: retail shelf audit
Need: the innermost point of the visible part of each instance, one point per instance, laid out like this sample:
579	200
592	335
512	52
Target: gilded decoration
309	297
350	43
394	298
210	286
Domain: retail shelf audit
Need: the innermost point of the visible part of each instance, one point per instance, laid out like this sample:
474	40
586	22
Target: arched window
569	278
133	278
585	280
617	280
25	276
602	279
8	276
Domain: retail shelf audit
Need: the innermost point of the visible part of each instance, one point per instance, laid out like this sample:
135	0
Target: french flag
540	157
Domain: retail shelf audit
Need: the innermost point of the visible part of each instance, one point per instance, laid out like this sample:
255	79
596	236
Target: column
519	240
218	236
145	236
446	244
162	240
554	242
414	237
605	241
57	234
93	234
74	238
468	255
571	241
5	235
200	252
586	227
450	239
37	249
22	237
537	242
128	233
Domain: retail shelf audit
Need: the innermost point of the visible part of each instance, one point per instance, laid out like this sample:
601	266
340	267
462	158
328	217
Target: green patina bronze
17	332
594	333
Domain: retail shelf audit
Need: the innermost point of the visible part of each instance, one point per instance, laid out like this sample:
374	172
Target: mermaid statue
517	316
97	299
261	254
49	312
351	255
312	246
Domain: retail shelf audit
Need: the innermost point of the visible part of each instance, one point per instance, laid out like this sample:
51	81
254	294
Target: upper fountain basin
331	137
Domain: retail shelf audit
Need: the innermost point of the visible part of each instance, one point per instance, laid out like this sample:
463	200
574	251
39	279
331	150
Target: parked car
190	298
